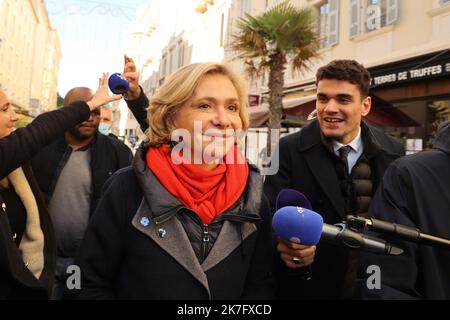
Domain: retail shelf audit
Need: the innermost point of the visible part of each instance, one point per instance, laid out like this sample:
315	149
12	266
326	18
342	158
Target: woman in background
27	244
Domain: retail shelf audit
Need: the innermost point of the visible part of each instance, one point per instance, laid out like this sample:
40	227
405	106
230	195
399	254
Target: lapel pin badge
145	221
162	232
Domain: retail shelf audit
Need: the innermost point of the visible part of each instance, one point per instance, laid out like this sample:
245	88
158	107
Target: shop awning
294	106
383	113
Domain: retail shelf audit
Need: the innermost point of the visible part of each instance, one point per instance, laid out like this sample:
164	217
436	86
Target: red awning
384	114
296	106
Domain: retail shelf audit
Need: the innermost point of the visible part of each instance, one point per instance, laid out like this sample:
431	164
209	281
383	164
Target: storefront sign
412	71
414	74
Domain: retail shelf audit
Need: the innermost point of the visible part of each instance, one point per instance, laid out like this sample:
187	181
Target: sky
91	35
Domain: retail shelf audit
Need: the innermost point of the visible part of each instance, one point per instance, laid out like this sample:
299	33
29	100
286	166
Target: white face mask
104	128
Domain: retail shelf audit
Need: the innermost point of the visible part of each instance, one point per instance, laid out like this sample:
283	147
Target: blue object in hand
299	225
118	84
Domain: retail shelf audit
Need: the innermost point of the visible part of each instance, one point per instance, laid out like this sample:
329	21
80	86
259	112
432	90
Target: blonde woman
188	220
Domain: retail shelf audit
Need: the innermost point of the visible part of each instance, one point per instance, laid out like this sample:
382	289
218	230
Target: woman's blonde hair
178	89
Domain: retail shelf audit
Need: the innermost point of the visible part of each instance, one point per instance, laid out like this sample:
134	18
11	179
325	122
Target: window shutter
333	23
355	18
392	11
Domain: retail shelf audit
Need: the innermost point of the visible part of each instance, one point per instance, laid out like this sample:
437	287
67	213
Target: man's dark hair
347	70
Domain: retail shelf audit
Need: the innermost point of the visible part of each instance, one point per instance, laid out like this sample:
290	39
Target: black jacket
22	144
107	156
138	108
16	281
416	192
308	166
140	244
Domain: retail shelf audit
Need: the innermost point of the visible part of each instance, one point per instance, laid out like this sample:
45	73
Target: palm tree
268	42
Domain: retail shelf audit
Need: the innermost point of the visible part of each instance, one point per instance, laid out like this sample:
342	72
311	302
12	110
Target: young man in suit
337	161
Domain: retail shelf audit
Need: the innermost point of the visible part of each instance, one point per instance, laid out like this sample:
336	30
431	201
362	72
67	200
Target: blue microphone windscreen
291	197
299	225
117	84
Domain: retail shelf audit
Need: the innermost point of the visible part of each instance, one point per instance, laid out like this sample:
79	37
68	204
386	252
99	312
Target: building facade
167	35
170	34
29	55
405	44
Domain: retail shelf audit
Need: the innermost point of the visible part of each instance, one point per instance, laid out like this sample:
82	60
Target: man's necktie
343	154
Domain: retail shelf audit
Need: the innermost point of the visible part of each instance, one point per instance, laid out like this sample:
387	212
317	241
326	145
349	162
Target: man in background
71	172
415	191
106	121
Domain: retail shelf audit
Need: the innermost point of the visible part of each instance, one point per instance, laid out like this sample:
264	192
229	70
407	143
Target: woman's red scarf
208	193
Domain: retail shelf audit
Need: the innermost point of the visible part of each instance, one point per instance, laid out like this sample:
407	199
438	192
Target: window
371	15
375	14
244	8
180	54
328	23
391	11
164	66
355	18
222	30
171	62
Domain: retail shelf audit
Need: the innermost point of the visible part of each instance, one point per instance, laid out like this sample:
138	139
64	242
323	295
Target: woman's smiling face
7	116
214	107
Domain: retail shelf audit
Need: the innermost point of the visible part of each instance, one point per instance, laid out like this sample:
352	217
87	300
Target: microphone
305	226
397	230
297	224
117	84
291	197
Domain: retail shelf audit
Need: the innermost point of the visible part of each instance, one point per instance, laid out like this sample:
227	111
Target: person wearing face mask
106	121
27	243
188	220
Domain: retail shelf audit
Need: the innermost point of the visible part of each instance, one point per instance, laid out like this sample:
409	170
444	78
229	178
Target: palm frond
280	31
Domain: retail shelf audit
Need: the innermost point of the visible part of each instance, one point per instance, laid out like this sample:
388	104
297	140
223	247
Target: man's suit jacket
308	165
